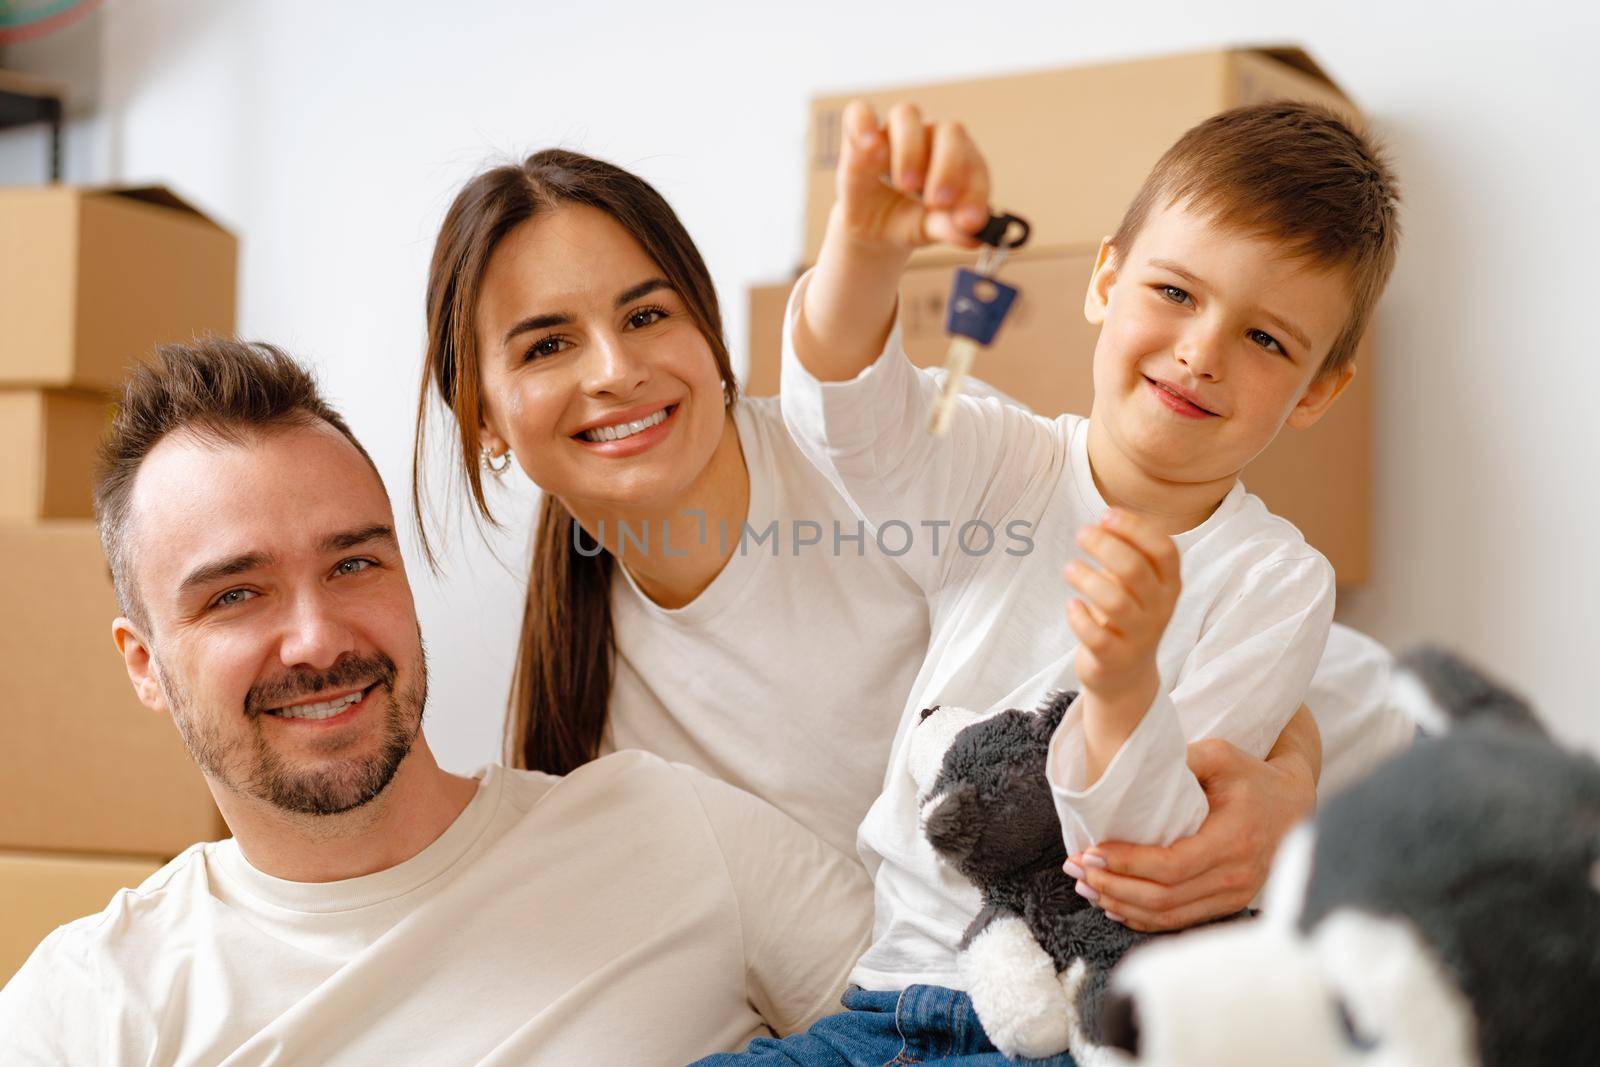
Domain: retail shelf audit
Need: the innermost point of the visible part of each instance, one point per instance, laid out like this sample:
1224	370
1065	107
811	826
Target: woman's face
593	373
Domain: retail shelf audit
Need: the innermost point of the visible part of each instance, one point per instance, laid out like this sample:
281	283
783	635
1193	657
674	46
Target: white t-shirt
785	675
1236	660
1352	700
631	912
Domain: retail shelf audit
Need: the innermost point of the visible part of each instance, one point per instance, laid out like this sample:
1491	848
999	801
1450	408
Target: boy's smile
1211	341
1180	400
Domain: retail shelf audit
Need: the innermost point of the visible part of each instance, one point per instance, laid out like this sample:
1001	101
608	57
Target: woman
573	329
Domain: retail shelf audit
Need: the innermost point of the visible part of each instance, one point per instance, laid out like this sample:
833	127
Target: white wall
332	136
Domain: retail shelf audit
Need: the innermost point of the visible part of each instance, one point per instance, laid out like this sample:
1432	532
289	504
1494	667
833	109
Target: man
371	907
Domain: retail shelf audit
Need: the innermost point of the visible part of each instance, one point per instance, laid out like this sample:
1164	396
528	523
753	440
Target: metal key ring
997	232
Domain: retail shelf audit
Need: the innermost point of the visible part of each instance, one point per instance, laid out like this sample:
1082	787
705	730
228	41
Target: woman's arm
1223	866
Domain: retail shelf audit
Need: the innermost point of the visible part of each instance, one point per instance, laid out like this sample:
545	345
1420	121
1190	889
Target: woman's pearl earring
490	465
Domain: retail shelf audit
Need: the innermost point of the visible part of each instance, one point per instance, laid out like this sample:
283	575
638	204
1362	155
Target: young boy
1230	301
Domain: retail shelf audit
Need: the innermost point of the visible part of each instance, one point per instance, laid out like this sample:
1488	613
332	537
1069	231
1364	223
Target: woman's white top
786	675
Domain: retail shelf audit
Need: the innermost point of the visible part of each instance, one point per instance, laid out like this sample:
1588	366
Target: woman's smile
630	432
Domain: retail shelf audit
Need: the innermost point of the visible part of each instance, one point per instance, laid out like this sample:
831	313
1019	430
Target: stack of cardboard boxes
1067	149
96	791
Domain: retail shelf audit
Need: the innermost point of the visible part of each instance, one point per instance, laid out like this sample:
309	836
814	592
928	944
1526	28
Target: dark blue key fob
978	305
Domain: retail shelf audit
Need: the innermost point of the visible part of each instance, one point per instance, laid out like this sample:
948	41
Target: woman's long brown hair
562	680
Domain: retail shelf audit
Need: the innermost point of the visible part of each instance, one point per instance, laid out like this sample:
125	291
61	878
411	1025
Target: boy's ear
1100	281
141	665
1319	397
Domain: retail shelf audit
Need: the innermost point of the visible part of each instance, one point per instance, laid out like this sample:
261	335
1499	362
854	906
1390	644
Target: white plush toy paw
1016	992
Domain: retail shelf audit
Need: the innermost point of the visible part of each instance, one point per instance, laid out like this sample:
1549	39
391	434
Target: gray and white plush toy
1036	958
1444	912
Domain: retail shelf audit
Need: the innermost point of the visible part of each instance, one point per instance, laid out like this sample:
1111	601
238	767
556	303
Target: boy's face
1210	342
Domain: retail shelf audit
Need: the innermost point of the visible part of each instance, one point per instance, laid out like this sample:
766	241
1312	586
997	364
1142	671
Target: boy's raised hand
907	183
1125	607
902	185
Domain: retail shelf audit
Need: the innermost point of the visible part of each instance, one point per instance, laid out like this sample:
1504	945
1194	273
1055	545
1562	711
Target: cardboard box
84	767
92	279
1068	149
49	437
39	893
1319	479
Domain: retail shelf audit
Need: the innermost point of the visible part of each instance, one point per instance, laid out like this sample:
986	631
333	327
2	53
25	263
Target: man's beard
249	766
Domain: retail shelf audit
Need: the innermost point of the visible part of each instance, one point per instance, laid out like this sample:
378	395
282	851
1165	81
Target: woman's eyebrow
628	296
535	322
541	322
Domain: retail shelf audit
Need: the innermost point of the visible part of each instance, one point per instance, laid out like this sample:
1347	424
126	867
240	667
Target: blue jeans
922	1024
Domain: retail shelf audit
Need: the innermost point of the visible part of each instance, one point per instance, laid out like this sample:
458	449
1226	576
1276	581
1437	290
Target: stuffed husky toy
1444	912
1036	958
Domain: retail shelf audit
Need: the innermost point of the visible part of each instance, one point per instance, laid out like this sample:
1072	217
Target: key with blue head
978	305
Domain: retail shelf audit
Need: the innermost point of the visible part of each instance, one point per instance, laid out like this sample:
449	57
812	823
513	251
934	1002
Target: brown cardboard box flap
161	196
1293	56
92	279
1290	55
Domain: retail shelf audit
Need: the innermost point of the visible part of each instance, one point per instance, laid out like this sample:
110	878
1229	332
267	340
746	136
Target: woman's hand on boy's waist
1222	868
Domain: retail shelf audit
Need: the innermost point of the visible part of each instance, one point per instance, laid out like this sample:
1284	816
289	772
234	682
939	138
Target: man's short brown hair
218	388
1296	173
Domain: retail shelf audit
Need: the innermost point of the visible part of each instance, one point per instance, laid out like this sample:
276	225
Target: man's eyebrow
361	535
207	573
1277	320
628	296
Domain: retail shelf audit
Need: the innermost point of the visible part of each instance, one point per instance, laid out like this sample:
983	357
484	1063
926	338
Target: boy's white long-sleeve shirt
1235	662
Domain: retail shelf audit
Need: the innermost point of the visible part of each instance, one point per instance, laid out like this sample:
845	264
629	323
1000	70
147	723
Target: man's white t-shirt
631	912
1236	660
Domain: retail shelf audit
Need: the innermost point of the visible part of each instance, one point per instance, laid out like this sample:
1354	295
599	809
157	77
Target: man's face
280	632
1211	342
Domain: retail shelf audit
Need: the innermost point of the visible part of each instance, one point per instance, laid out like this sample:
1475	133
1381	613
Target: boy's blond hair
1296	173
